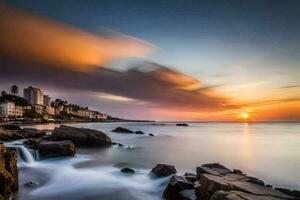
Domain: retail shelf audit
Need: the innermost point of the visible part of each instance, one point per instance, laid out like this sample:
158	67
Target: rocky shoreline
209	182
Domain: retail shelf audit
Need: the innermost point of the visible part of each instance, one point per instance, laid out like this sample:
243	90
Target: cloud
39	51
31	38
289	86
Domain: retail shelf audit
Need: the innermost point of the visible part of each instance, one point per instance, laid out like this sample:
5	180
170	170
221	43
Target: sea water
269	151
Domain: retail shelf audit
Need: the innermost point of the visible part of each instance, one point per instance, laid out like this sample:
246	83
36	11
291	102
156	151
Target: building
50	110
101	116
40	109
47	100
19	111
34	95
7	109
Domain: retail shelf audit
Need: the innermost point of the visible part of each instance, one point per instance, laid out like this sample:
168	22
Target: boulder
81	136
175	186
293	193
211	183
49	149
31	133
8	135
182	124
190	177
150	134
187	195
127	170
11	127
122	130
117	144
32	143
139	132
8	172
162	170
239	195
213	168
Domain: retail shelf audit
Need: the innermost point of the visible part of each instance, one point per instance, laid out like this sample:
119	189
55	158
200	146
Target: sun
245	115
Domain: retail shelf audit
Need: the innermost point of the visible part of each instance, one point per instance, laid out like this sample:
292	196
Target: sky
158	60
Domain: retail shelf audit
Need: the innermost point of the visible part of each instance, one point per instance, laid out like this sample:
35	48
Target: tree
14	89
3	93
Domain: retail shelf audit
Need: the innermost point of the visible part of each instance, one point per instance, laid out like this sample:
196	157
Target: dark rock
139	132
11	127
117	144
175	186
47	137
187	194
127	170
237	171
150	134
81	136
8	135
293	193
32	143
239	195
190	177
122	130
182	124
48	149
8	172
270	186
213	168
31	184
161	170
211	183
255	180
31	133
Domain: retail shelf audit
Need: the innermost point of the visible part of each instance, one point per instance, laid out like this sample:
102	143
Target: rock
182	124
175	186
239	195
49	149
117	144
213	168
8	172
31	133
150	134
237	171
31	184
187	194
127	170
212	183
8	135
122	130
161	170
270	186
139	132
81	136
293	193
254	180
190	177
11	127
32	143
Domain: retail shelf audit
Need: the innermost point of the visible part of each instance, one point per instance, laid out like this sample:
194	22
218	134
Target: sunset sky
158	60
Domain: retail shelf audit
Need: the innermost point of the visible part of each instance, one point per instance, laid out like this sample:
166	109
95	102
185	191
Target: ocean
269	151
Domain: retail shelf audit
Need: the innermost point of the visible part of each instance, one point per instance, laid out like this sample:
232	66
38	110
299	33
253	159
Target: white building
7	109
34	95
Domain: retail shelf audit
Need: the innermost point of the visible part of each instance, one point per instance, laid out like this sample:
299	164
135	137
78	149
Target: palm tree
14	89
3	93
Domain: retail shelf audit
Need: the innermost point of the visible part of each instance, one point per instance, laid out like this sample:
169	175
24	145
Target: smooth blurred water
270	151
